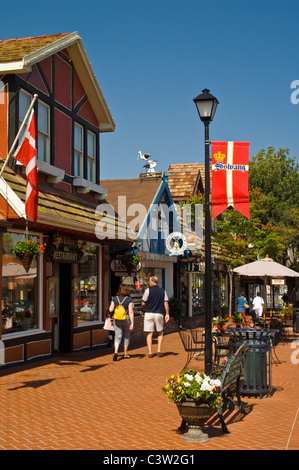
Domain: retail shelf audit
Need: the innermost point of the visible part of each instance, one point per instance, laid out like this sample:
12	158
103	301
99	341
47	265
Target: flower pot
26	260
195	414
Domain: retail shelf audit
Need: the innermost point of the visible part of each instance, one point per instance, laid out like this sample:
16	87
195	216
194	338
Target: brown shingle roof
137	191
184	179
68	210
12	50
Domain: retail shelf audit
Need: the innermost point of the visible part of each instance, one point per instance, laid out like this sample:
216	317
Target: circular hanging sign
176	243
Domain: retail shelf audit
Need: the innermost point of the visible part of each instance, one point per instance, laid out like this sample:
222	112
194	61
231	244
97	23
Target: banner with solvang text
230	168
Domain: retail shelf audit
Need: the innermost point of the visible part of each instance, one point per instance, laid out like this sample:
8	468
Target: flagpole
18	133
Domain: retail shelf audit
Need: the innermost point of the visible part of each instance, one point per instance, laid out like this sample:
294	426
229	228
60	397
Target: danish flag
230	168
26	154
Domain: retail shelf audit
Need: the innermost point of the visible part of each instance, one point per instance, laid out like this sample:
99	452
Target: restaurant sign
64	249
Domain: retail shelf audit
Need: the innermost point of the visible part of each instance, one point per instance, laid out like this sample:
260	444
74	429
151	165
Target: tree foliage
273	227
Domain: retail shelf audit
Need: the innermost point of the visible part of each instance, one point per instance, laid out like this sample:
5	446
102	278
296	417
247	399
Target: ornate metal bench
230	379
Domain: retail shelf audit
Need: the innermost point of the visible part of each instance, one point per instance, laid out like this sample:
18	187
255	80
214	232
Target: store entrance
65	319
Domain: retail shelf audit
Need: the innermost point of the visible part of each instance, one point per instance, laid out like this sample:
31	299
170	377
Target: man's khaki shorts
153	321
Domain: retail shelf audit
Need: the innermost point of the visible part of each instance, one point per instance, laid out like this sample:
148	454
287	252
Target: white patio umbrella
265	267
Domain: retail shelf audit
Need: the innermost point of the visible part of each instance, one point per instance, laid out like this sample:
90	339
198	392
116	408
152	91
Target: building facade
60	302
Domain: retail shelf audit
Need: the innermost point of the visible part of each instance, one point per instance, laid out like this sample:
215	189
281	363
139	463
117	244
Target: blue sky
152	57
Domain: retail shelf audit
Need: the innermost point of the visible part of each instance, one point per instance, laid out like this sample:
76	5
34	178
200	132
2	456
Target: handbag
108	325
246	305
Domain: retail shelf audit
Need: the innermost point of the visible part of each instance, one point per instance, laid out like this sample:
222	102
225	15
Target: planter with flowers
219	323
27	250
240	319
129	261
196	396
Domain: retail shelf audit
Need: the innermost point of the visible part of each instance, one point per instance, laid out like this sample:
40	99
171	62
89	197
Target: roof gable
127	196
20	55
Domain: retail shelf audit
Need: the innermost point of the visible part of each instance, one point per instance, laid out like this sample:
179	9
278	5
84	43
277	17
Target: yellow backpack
120	311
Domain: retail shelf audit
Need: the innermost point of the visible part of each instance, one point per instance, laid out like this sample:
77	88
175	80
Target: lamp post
206	105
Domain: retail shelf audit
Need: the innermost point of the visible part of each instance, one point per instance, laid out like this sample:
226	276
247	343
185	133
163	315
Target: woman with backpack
123	315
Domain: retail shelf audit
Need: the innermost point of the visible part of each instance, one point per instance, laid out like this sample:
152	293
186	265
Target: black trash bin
257	379
296	321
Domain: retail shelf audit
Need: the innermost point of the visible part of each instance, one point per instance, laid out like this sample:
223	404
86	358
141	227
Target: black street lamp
206	105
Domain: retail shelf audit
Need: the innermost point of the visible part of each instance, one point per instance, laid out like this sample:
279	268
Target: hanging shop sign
193	267
278	282
176	243
64	249
120	270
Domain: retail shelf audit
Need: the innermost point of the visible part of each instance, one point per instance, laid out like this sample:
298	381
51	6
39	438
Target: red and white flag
26	154
230	168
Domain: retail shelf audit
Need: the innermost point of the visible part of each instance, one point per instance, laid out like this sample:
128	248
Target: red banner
230	166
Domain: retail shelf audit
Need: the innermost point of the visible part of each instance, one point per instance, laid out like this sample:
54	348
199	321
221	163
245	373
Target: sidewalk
85	401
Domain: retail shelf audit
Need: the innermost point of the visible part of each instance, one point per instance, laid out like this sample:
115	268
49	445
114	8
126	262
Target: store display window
20	293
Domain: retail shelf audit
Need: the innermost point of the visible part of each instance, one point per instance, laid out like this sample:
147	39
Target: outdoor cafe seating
258	362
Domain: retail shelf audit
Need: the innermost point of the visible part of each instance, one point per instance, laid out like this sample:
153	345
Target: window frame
40	132
89	156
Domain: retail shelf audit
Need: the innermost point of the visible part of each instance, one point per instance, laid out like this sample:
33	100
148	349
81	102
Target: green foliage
28	246
130	259
277	176
175	308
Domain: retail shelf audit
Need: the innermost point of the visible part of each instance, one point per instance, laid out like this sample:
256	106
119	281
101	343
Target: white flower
187	384
216	382
206	385
198	378
188	377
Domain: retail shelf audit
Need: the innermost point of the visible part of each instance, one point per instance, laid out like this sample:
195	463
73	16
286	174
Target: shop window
19	290
86	300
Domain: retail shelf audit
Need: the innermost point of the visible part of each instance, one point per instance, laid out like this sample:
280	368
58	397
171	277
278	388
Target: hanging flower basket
27	250
129	261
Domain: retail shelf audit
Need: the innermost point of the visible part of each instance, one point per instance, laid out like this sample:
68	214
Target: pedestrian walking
242	303
123	327
154	301
257	304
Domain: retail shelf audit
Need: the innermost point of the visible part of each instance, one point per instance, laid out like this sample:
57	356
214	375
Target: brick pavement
85	401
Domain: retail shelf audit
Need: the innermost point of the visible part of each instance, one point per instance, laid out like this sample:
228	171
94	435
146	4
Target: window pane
91	147
24	103
91	170
19	290
78	137
88	275
42	147
43	118
78	164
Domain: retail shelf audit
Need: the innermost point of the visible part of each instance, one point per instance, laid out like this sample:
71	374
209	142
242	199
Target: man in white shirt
257	304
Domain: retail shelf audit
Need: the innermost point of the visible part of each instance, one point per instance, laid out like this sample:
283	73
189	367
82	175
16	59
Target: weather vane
150	164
